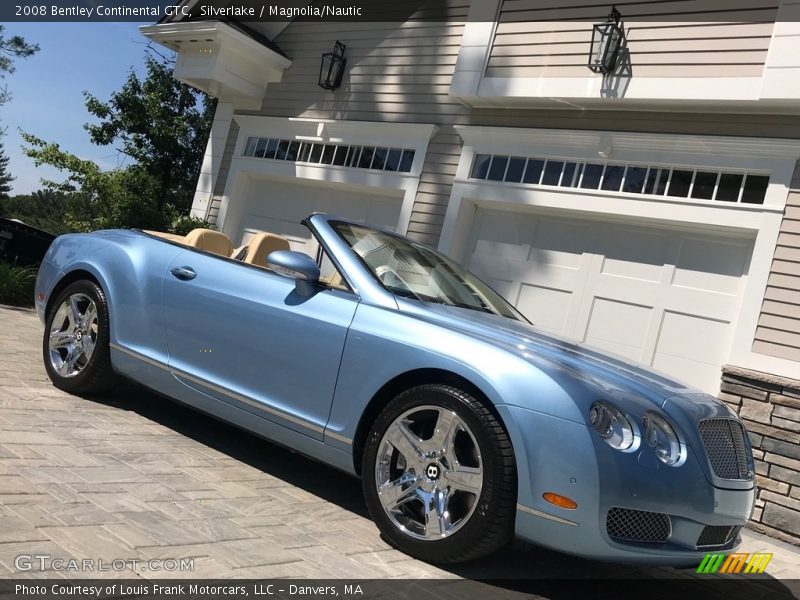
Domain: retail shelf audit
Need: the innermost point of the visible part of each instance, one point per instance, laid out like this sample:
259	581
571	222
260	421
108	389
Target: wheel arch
406	381
78	274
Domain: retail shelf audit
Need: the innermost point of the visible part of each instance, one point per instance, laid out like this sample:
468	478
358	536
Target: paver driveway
135	476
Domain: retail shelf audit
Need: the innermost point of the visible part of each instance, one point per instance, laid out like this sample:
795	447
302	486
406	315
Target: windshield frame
450	264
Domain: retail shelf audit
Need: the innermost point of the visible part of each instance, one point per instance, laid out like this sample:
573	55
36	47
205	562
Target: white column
212	159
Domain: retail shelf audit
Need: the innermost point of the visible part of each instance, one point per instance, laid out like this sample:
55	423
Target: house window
374	158
654	180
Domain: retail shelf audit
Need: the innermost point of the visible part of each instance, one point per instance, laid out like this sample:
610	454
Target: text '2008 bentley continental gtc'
384	358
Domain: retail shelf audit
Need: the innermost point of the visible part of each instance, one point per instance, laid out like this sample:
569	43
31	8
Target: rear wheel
439	476
76	340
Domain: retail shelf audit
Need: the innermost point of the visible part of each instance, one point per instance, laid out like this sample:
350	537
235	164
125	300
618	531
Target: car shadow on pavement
518	567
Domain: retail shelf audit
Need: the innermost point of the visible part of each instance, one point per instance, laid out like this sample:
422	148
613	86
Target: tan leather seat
261	245
209	240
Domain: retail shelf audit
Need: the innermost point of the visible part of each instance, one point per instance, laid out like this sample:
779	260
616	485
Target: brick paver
134	476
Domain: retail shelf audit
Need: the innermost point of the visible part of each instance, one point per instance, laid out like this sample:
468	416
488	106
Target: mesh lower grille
717	535
637	525
726	448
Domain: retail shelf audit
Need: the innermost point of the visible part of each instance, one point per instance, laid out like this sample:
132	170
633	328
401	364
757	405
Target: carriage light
660	436
611	425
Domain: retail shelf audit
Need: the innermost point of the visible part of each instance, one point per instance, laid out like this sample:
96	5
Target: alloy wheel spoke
405	441
89	316
75	312
64	367
393	494
60	339
73	356
465	479
447	425
437	518
88	346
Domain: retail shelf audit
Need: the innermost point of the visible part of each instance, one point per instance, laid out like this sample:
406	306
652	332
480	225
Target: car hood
549	352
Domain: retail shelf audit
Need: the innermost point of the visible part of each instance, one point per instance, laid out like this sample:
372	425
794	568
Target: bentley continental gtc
383	358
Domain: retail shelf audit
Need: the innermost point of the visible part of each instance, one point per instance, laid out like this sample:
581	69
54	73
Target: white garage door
664	297
278	206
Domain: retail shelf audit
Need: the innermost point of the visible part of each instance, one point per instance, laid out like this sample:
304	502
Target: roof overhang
220	60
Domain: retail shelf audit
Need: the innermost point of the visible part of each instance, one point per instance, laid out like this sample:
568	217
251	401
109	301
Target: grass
16	284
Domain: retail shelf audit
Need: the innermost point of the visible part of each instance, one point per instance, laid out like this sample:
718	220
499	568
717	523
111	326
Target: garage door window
657	180
343	155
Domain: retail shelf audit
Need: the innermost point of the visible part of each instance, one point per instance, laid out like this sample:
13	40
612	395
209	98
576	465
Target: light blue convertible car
385	359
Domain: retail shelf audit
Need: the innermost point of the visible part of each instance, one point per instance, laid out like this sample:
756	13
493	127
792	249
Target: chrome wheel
428	472
73	335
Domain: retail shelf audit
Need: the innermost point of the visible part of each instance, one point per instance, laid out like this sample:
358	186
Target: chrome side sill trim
539	513
339	438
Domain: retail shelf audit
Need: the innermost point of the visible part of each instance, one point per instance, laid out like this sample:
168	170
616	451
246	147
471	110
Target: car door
246	336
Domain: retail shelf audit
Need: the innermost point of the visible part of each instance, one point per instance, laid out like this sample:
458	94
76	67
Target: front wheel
439	476
76	340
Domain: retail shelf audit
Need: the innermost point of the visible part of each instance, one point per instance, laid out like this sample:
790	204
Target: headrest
261	245
210	241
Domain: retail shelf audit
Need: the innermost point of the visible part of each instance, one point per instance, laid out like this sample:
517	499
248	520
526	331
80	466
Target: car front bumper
563	457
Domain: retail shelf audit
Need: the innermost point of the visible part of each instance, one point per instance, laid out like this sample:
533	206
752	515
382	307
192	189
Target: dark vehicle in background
21	244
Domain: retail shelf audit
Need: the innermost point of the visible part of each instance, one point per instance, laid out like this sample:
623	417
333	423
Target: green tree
125	197
162	124
158	122
45	209
5	176
11	48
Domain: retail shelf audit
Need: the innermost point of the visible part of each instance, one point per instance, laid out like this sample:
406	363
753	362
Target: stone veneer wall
770	408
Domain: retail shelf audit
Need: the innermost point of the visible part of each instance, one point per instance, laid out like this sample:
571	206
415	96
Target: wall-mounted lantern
606	41
332	67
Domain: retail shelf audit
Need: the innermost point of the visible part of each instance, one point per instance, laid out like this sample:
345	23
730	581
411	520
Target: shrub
184	224
16	284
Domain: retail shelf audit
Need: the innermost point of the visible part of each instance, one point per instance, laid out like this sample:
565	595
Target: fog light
560	501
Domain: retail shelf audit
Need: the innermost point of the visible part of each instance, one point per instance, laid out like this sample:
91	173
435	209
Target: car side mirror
294	265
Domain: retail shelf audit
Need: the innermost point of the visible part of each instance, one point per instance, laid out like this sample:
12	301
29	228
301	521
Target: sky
47	90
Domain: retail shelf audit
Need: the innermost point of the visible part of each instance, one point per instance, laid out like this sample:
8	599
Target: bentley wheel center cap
432	471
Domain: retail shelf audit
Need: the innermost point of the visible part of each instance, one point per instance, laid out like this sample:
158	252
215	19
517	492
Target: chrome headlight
611	425
661	437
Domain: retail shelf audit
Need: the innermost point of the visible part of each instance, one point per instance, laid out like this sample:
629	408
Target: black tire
491	524
96	375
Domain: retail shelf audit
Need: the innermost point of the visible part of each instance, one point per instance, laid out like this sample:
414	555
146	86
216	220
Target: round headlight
611	425
659	435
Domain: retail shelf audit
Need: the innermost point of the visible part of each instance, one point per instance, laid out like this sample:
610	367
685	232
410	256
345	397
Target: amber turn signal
560	501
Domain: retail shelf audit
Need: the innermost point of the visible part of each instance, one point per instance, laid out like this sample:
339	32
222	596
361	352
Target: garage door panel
279	206
548	308
635	254
619	327
692	348
712	265
664	296
506	288
499	235
703	304
558	243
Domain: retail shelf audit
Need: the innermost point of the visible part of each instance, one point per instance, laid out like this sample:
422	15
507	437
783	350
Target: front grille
637	525
717	535
726	448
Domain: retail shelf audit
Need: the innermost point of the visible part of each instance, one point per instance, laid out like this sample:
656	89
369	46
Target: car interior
255	252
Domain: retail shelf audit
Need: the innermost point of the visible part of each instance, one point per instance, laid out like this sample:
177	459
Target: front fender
383	344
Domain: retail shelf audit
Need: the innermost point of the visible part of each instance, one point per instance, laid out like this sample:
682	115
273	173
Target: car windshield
415	271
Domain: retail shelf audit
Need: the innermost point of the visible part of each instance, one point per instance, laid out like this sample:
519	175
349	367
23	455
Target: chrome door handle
183	273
